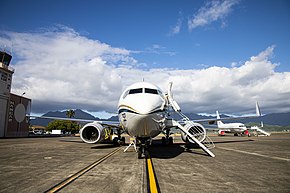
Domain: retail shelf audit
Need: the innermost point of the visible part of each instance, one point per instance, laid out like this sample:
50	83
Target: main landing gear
167	139
119	141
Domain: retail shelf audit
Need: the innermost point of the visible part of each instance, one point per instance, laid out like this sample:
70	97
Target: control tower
13	108
5	88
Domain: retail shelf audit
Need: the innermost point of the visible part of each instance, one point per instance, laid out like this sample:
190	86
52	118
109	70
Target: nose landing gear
143	152
143	149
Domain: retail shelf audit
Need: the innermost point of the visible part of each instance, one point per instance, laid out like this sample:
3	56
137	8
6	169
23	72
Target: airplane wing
105	123
213	120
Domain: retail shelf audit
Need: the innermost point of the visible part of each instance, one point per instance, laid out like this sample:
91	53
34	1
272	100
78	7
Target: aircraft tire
115	142
170	140
123	141
139	154
146	154
163	141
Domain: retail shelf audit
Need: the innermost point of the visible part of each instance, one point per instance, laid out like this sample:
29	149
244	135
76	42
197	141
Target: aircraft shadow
165	151
157	150
71	141
104	146
234	141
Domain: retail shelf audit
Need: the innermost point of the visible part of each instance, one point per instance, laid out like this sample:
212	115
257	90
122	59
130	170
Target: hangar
13	108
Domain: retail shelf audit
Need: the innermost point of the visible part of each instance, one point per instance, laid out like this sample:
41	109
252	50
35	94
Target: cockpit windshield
135	91
142	90
151	91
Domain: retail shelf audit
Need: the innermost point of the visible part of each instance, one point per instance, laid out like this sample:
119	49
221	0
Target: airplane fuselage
236	128
141	110
233	127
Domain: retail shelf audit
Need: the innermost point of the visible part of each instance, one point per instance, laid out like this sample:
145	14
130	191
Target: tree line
65	125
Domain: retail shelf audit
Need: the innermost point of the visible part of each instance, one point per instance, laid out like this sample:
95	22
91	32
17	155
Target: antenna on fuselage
143	80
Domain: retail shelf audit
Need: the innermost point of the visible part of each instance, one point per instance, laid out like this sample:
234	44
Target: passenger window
135	91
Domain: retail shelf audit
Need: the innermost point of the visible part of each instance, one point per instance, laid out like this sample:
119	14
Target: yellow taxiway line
152	180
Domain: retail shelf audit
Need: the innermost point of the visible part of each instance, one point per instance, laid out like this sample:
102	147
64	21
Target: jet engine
196	129
94	133
221	133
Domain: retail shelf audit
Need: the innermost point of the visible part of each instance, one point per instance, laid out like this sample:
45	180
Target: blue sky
173	35
248	28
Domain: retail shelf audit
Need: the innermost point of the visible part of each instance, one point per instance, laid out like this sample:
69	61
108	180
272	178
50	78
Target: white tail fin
219	123
258	112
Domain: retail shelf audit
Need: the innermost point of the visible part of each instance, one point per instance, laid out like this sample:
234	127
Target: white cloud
211	12
62	66
176	29
62	69
158	49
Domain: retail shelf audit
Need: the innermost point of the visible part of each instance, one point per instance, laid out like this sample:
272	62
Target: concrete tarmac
242	164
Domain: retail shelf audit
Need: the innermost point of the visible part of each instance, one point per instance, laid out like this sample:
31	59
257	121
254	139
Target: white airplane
143	113
235	128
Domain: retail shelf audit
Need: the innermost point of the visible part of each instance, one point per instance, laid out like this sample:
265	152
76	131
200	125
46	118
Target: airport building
13	108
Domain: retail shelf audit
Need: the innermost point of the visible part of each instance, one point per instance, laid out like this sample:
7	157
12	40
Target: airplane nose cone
143	103
149	104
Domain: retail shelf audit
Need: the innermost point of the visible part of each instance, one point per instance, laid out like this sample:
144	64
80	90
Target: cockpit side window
135	91
160	92
126	94
151	91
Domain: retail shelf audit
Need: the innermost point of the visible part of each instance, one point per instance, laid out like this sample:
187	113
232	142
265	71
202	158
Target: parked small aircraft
235	128
239	129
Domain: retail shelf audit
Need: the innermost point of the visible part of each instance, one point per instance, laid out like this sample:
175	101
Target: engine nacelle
94	133
196	129
221	133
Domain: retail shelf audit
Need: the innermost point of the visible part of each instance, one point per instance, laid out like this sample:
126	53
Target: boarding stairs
193	136
187	126
197	132
257	129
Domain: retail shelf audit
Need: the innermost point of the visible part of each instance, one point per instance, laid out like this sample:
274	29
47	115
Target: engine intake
94	133
195	129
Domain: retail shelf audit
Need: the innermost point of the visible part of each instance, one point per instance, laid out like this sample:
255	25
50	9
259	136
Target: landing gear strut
167	139
143	152
143	149
118	141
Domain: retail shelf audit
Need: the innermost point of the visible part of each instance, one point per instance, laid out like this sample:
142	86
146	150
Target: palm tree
70	113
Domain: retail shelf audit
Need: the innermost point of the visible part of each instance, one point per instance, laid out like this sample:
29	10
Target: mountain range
281	119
